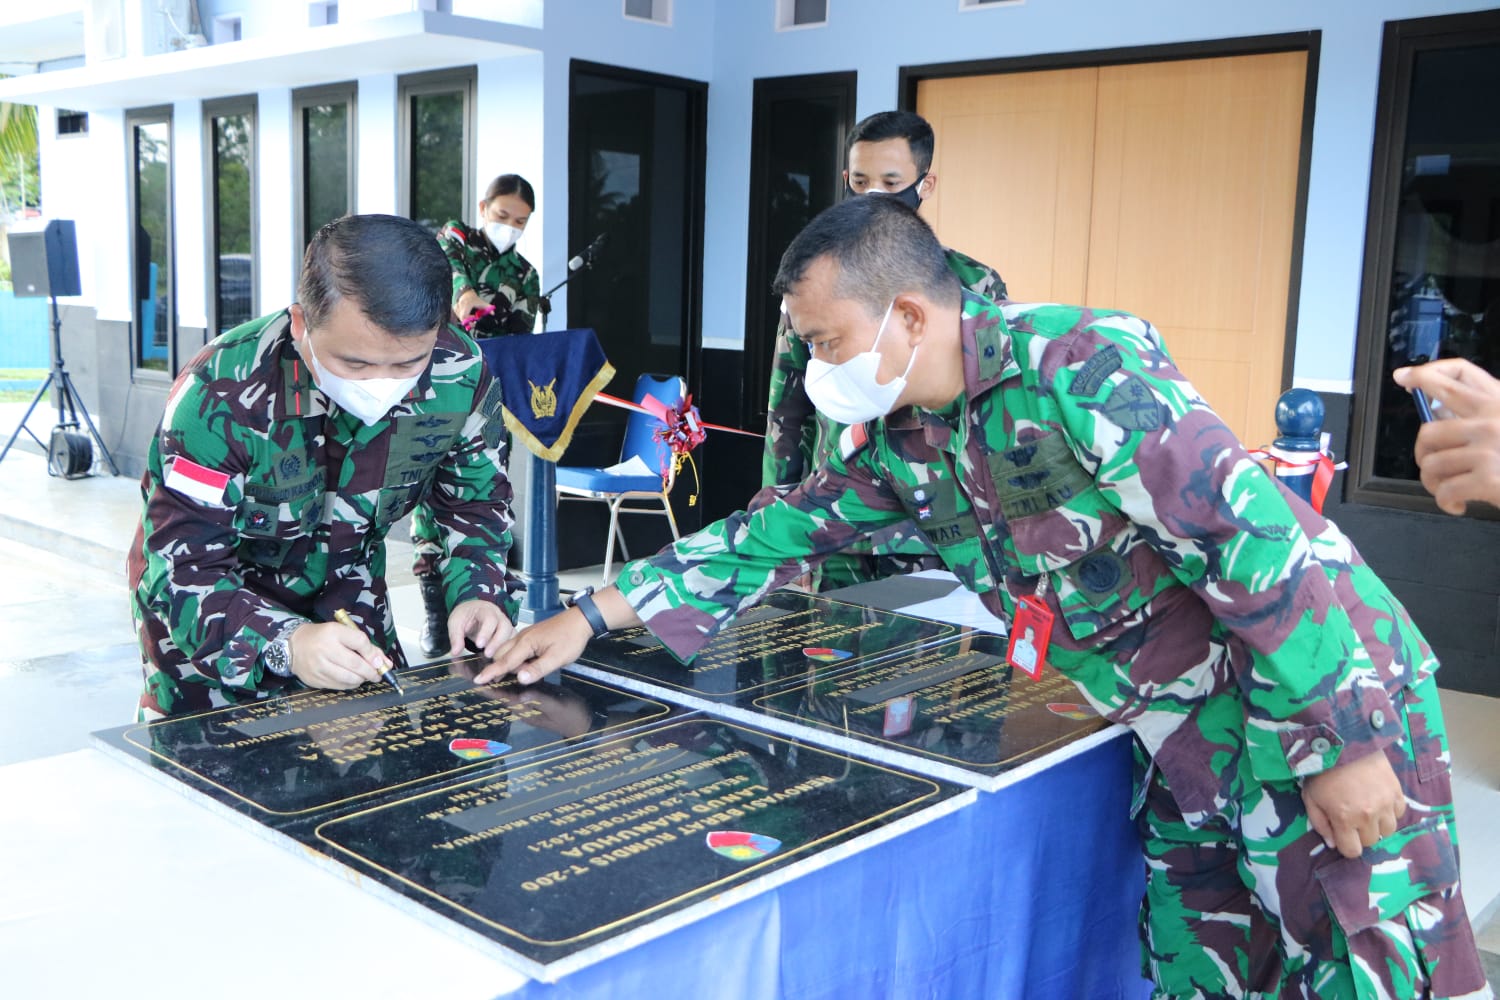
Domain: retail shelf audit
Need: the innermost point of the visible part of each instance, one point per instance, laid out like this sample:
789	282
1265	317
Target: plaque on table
552	824
564	861
953	709
785	639
296	755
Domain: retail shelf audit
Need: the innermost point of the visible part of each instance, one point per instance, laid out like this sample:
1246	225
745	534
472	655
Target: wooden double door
1167	189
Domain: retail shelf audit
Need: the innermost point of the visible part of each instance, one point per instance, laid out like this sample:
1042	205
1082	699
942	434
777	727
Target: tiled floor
69	663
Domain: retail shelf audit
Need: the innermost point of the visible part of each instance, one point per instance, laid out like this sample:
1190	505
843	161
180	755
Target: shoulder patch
492	407
853	440
493	398
1094	371
1133	405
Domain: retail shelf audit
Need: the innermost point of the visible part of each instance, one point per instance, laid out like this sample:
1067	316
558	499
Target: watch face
276	658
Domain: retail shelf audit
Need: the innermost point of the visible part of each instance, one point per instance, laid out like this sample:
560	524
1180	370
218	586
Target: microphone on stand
578	263
586	259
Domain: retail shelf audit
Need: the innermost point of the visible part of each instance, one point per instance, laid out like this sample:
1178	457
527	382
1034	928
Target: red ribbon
683	429
1322	466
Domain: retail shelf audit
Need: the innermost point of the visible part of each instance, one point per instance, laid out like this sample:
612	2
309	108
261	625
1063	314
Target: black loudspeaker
45	262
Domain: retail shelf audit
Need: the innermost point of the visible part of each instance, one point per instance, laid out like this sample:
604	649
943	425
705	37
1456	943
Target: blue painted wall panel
24	336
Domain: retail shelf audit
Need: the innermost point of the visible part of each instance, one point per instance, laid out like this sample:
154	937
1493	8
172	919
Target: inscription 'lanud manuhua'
551	854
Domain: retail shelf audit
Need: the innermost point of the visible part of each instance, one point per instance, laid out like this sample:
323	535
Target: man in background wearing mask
888	153
1292	770
289	447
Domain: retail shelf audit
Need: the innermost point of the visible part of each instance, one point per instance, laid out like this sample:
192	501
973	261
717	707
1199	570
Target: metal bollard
1299	418
540	557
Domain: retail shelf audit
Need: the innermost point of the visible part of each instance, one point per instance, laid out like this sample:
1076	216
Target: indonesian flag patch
203	484
852	439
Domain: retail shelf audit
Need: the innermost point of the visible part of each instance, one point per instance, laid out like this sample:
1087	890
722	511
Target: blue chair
647	490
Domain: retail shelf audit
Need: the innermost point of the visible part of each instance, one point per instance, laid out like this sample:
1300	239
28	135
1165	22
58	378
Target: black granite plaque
553	857
787	638
956	702
296	754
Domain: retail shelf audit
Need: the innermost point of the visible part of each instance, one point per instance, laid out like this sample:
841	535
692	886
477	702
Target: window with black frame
437	176
1432	263
231	163
323	157
149	132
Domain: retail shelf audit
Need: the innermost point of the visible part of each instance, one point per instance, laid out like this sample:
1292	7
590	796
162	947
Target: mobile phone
1424	405
1424	408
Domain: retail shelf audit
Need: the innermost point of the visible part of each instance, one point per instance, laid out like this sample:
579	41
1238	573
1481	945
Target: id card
1030	635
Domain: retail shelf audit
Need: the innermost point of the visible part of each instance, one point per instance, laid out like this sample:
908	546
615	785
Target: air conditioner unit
170	26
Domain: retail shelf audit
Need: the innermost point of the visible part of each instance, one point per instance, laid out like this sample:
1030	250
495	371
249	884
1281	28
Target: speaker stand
69	403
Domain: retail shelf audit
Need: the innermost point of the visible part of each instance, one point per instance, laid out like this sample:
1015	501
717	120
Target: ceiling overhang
400	43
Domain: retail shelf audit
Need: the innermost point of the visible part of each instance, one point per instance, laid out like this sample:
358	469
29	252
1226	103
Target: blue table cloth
1032	891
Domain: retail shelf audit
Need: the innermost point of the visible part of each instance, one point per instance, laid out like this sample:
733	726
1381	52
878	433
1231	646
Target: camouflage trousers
1253	904
426	541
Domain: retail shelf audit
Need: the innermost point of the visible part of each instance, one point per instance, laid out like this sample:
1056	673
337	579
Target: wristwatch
277	656
583	600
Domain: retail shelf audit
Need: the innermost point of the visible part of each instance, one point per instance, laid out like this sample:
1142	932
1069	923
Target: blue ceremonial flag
547	381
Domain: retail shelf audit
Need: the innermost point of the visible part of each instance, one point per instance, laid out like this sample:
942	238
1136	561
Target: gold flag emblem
543	399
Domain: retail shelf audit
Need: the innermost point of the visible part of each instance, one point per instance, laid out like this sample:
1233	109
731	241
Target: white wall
877	37
189	208
83	179
375	132
276	256
78	174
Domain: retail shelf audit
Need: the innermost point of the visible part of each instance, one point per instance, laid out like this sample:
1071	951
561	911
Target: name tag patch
1037	476
934	508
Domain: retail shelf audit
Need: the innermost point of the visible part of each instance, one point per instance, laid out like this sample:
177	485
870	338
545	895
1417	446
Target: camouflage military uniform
506	280
300	527
1238	634
509	283
798	439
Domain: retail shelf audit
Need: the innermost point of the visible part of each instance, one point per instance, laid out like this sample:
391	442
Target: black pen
389	676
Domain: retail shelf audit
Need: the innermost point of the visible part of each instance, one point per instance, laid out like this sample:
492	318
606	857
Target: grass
24	393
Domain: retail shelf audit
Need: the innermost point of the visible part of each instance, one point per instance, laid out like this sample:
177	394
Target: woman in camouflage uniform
488	273
496	291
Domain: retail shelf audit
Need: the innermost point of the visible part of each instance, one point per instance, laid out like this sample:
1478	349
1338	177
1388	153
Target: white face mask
502	235
848	392
369	399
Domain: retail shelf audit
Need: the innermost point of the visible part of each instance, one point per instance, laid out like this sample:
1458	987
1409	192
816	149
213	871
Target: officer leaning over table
1292	769
289	447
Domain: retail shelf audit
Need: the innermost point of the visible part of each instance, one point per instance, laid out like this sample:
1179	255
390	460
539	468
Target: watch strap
277	654
584	601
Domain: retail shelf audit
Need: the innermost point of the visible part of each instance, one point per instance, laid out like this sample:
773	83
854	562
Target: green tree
20	176
232	138
17	130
